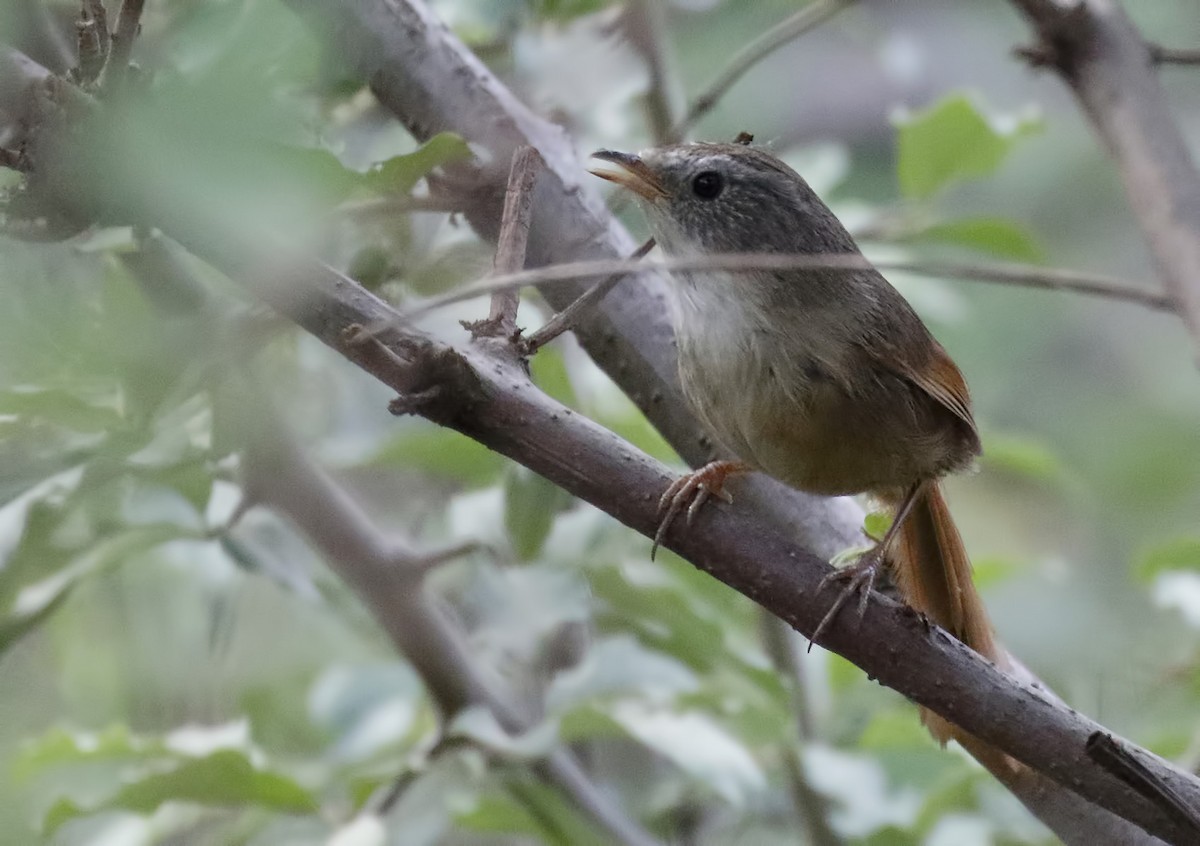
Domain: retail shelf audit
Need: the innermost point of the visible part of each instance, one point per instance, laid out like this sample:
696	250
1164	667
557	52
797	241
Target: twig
1098	51
566	319
128	27
1024	275
643	24
501	321
780	641
1173	55
810	17
100	16
93	39
1120	760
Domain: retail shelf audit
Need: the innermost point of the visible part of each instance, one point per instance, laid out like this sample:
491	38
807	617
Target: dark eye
708	185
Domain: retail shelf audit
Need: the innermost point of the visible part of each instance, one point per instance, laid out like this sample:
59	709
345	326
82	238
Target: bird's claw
692	490
859	578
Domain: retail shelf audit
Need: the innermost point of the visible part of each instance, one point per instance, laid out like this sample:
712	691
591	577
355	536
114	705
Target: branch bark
1103	58
482	391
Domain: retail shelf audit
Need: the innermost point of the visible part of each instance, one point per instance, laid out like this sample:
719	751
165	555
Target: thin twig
810	17
1174	55
642	21
92	40
780	641
128	27
566	319
1024	275
100	16
501	321
1101	55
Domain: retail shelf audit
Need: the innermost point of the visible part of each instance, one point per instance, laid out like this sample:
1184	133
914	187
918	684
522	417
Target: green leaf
876	524
532	808
698	746
61	408
400	173
1022	456
441	452
549	372
1177	554
223	778
993	235
949	141
530	505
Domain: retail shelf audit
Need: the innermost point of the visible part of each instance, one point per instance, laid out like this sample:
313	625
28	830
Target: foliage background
152	653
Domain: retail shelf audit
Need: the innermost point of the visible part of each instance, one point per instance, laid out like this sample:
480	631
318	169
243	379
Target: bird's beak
634	174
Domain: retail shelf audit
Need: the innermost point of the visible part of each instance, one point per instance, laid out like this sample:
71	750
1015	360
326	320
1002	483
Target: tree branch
810	17
501	321
1098	52
128	26
1003	273
382	573
482	391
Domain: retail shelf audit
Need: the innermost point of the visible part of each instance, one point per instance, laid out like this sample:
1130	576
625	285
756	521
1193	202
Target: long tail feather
933	575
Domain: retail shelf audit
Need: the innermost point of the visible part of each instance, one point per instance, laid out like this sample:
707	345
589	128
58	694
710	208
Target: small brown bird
825	379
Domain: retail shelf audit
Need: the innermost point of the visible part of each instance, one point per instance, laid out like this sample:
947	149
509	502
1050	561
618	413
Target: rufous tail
933	574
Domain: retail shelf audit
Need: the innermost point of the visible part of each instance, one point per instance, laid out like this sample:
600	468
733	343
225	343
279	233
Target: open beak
633	174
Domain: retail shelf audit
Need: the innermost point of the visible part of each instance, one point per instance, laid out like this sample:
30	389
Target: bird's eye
708	185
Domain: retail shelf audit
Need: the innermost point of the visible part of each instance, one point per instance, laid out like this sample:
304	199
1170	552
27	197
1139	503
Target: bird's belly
804	429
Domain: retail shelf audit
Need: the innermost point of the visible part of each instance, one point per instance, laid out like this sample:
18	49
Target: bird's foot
859	578
693	490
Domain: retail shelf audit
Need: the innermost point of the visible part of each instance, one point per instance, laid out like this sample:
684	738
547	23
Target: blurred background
153	646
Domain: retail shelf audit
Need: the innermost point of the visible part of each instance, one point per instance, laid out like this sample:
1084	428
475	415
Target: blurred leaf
479	725
224	778
62	408
620	665
566	9
441	452
698	746
531	503
1022	456
951	140
993	235
1176	554
876	524
549	371
59	747
361	831
531	809
400	173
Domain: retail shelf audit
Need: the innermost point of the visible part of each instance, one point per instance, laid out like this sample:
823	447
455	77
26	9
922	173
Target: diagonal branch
1098	52
482	391
810	17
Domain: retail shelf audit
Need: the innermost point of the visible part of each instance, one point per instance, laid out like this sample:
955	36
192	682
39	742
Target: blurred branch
644	26
1173	55
780	641
387	578
1003	273
808	18
569	317
501	321
1097	51
128	27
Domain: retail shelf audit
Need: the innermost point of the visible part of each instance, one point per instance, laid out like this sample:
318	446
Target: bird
822	377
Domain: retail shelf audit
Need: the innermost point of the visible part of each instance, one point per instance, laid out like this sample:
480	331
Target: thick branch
482	391
1100	54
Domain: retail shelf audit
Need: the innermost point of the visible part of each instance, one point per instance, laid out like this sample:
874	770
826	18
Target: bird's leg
693	490
859	577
